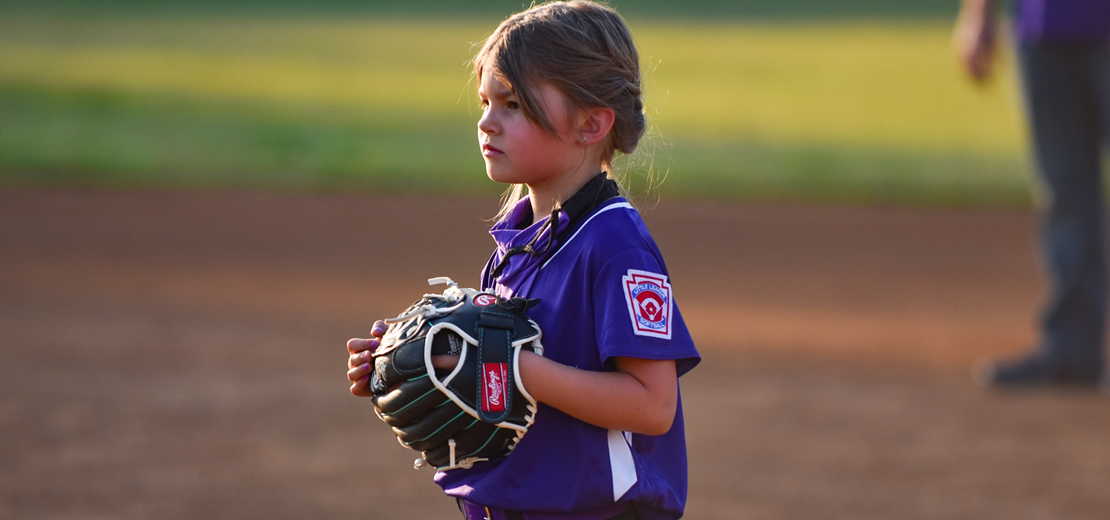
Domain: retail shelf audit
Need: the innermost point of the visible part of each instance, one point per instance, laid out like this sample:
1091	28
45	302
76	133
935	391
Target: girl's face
516	149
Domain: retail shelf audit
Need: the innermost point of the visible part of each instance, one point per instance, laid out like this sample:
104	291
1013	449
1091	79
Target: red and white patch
649	303
494	376
485	300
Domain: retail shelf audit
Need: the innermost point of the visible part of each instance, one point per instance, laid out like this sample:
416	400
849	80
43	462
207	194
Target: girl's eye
512	105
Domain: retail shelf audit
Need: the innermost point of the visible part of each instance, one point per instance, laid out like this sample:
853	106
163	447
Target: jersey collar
521	251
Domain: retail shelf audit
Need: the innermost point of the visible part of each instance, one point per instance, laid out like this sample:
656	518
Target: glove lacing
452	295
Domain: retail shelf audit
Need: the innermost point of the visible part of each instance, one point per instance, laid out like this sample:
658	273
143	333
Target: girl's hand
359	365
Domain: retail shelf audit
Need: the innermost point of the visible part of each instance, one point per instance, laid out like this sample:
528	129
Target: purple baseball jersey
1062	20
604	292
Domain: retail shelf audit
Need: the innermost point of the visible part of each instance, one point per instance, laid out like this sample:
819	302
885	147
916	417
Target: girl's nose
486	123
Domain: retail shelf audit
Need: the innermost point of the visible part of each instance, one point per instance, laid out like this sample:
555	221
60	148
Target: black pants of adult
1066	88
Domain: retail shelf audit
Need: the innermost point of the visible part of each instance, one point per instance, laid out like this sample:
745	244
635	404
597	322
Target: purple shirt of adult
1062	20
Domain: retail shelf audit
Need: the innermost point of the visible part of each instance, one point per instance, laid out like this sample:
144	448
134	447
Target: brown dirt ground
175	355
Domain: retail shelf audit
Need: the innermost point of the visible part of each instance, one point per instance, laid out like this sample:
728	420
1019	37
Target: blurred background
201	201
850	101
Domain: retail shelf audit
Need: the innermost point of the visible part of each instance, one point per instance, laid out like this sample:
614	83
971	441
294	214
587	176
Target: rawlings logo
649	303
493	388
485	300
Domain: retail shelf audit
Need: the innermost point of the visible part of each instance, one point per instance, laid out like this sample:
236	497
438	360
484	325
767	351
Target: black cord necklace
599	189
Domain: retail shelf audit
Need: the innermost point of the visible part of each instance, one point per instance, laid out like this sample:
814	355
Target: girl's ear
595	124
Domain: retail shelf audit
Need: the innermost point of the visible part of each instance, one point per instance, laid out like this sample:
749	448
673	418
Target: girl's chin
500	177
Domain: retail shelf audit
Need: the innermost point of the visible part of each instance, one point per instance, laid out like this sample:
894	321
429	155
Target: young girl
559	86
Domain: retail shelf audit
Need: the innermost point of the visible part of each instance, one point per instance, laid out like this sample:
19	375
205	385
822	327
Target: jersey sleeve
636	314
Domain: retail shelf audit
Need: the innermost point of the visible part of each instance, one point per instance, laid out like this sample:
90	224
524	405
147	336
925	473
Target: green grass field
848	109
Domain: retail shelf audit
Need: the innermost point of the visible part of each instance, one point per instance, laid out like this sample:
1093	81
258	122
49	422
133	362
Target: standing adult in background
1063	53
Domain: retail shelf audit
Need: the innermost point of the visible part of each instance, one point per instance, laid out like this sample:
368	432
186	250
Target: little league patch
649	303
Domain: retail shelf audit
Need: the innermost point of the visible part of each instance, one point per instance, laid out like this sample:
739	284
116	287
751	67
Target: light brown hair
582	48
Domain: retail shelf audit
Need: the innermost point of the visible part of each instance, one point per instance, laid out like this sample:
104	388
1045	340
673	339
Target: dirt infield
180	356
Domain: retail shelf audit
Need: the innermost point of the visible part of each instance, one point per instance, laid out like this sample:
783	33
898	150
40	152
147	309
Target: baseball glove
477	411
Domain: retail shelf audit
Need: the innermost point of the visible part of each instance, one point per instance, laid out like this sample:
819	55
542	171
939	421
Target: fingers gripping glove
477	411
